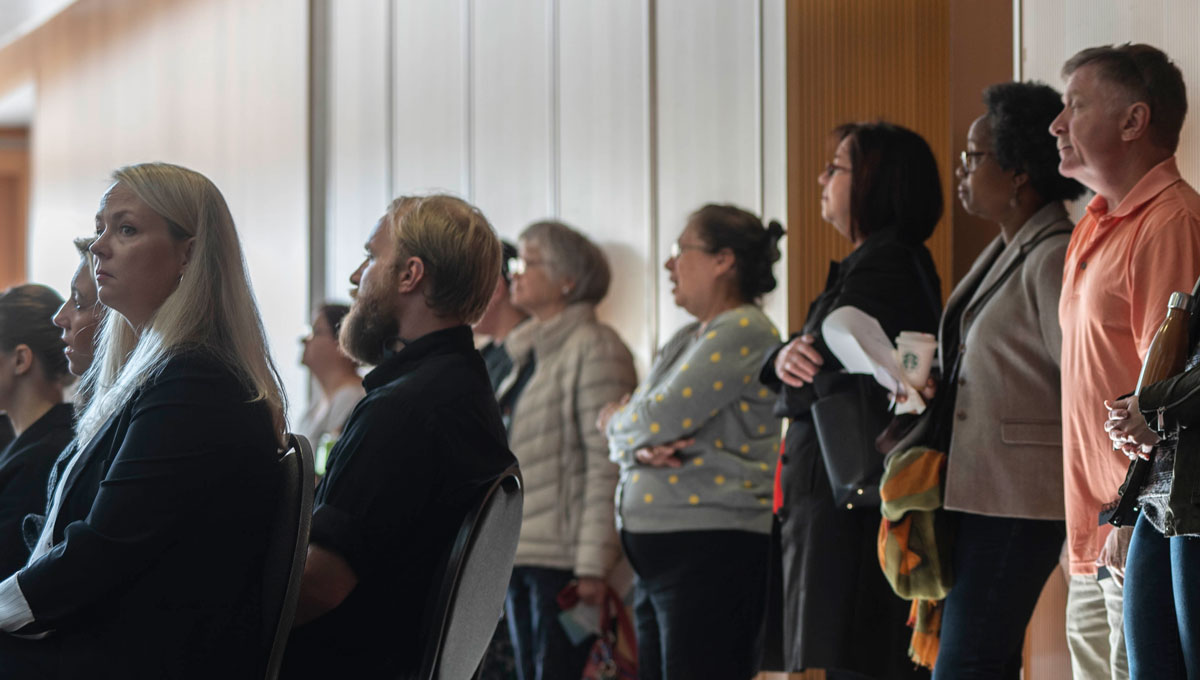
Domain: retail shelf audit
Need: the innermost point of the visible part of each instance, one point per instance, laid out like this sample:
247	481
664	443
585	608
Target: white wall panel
431	95
578	110
774	144
708	117
511	112
603	146
359	85
1053	31
215	85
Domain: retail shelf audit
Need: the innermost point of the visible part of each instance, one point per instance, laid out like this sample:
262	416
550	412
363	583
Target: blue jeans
1162	604
1000	567
542	648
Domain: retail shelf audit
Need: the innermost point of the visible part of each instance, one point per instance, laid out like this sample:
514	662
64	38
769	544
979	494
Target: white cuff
14	609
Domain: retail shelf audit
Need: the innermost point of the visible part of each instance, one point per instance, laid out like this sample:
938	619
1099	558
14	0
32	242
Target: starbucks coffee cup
914	353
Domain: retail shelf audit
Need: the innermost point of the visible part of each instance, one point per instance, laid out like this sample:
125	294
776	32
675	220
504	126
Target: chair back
287	546
463	615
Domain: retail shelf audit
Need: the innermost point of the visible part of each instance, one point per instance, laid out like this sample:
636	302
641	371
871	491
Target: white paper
858	341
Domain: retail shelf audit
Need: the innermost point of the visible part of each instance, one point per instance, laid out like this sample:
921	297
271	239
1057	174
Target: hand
1113	554
591	590
608	411
1128	429
928	392
663	455
798	362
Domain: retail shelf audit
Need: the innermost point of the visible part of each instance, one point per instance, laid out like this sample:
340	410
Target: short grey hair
570	254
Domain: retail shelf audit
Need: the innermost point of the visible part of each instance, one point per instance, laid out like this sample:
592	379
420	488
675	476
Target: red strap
778	497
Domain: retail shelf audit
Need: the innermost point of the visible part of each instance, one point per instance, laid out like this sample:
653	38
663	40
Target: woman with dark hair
882	193
997	410
566	366
695	443
33	372
337	378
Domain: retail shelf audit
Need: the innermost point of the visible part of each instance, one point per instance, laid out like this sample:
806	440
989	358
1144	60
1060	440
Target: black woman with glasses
1001	339
882	193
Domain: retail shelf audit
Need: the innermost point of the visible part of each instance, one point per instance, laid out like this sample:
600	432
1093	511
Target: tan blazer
1005	456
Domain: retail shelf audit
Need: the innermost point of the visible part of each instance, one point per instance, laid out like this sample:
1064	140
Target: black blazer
159	571
24	468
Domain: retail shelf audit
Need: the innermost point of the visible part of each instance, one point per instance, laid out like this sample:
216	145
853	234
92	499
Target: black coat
24	468
158	573
838	611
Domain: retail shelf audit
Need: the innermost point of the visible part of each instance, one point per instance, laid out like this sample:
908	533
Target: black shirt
24	468
6	431
414	455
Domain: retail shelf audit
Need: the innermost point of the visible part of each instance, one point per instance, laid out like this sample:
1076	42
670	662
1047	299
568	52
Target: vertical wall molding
318	147
1018	55
555	92
390	99
760	119
468	27
654	312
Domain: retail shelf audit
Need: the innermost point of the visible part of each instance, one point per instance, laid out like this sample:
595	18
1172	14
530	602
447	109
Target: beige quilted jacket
580	365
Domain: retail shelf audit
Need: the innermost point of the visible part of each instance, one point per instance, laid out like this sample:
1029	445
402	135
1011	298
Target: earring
1012	201
566	290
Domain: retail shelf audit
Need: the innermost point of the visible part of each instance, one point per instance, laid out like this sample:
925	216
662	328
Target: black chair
463	614
287	546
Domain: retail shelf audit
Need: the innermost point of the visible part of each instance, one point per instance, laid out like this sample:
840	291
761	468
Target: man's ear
410	275
1135	121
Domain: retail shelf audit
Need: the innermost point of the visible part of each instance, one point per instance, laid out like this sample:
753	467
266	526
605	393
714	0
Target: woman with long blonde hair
150	562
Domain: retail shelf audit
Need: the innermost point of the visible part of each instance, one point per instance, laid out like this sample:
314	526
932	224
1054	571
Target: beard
367	329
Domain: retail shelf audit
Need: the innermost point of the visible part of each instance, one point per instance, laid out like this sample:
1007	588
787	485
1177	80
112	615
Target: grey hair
571	255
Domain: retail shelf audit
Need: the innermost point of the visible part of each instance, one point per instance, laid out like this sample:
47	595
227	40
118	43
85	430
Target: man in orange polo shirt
1138	242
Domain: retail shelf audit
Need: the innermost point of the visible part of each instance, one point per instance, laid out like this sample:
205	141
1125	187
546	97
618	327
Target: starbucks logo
910	361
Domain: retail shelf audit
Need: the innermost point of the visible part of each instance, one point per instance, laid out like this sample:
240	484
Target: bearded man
417	451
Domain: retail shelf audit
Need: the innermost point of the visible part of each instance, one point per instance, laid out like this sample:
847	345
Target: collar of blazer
999	260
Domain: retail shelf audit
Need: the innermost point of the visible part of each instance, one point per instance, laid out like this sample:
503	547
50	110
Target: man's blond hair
458	246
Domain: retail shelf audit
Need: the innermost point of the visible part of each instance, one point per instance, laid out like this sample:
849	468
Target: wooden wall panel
14	204
980	55
859	60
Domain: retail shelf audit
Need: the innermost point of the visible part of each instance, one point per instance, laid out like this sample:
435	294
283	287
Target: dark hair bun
755	248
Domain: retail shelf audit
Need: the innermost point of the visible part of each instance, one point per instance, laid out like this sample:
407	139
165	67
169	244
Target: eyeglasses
970	159
677	249
832	169
517	266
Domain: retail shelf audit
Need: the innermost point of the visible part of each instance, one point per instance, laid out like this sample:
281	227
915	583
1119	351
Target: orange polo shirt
1120	269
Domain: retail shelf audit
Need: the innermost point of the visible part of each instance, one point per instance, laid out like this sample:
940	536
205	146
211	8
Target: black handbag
851	410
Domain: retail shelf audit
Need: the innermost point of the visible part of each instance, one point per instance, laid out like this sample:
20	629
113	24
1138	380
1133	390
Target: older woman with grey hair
566	367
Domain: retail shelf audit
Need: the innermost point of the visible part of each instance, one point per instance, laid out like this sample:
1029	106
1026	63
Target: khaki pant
1094	629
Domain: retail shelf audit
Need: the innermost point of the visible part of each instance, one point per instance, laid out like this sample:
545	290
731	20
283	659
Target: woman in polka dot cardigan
696	443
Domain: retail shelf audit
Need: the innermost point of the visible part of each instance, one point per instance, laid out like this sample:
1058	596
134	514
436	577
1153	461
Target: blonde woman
150	562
